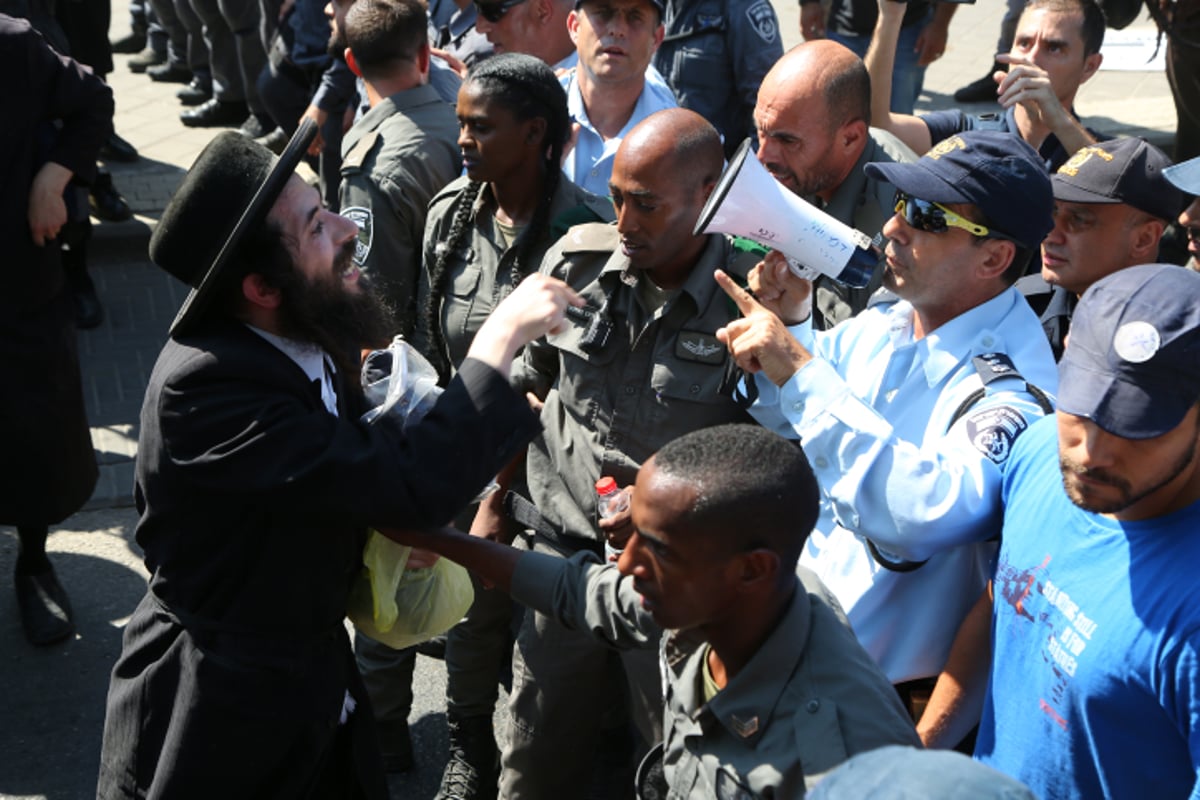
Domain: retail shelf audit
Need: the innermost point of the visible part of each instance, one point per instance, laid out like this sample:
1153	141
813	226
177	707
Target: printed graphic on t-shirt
1042	608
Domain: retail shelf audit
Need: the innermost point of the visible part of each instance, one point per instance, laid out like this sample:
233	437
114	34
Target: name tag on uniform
701	347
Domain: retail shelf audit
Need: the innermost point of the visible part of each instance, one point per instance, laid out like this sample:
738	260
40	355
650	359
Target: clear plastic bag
400	383
402	607
393	605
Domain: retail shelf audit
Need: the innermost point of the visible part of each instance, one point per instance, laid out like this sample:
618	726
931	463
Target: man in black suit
256	483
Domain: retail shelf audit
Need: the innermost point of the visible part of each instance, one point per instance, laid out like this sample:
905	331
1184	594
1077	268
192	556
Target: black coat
254	503
49	470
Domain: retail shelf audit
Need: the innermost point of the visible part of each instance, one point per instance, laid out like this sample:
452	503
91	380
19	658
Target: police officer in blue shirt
908	410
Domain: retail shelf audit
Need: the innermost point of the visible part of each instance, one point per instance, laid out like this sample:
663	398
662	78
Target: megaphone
748	202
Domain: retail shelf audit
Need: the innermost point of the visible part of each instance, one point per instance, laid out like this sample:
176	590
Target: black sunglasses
494	12
931	217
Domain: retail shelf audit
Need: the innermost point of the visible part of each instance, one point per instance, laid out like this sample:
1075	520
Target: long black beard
323	312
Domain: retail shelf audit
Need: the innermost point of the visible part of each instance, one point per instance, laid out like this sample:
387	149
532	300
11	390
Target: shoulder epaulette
591	237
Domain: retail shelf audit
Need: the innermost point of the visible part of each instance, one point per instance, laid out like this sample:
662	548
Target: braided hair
528	88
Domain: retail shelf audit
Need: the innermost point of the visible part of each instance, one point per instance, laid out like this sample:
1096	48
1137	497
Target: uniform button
630	390
798	406
986	341
595	172
821	462
854	520
813	706
694	388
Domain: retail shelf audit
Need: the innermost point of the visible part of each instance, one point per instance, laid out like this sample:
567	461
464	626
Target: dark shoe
169	73
88	311
196	92
474	766
979	91
106	202
134	42
275	141
215	113
117	149
396	743
256	127
44	607
146	59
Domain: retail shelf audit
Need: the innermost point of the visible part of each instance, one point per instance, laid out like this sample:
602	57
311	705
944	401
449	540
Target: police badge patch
993	430
763	18
363	219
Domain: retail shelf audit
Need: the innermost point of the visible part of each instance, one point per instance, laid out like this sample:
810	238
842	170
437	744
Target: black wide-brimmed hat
226	194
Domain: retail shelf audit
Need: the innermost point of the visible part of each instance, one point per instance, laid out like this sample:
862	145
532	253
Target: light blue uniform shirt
590	162
873	411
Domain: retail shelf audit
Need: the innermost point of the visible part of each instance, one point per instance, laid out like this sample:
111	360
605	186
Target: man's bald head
680	138
828	70
812	115
663	173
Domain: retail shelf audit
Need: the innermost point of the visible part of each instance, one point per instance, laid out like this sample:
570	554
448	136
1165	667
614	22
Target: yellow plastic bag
402	607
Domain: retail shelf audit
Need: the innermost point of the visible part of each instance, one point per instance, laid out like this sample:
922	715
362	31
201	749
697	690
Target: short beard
324	312
337	44
1127	495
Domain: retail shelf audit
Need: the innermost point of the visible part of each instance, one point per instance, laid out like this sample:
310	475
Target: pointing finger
741	298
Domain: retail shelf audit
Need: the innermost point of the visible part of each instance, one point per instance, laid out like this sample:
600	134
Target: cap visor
1186	175
1070	193
1131	411
916	180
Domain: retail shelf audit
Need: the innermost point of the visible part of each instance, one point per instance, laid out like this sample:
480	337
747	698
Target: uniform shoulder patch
763	20
362	148
363	218
993	366
591	237
992	431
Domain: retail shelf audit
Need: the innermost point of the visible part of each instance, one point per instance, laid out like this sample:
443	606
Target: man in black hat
1111	205
256	483
57	117
1094	635
908	411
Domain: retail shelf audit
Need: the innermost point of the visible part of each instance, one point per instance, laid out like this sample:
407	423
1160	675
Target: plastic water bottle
610	501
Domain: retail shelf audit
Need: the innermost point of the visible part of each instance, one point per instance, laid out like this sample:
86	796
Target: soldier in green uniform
400	154
639	366
485	231
767	688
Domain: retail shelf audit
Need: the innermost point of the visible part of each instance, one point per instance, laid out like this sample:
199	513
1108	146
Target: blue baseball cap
1130	171
1132	363
1185	175
995	171
897	772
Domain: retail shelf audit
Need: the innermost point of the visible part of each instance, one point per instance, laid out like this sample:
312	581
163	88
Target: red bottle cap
606	485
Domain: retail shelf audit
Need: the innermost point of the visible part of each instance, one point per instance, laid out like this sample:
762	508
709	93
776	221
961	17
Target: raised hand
536	307
779	290
759	341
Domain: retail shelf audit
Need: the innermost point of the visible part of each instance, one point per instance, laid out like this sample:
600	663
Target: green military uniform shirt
395	159
658	376
809	699
865	204
479	270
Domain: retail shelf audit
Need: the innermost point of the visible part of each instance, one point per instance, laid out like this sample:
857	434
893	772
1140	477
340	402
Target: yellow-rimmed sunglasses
926	215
